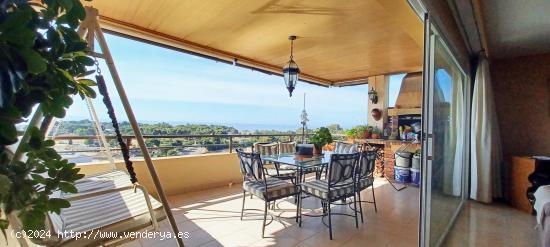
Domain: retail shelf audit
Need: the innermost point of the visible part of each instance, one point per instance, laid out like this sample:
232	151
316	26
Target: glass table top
299	160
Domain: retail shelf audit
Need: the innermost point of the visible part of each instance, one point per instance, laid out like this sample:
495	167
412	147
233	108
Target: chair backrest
251	166
366	165
341	169
345	148
266	148
287	147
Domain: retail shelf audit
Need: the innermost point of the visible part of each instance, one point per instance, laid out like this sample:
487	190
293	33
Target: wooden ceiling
338	41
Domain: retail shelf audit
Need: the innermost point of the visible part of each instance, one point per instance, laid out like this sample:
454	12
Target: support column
380	85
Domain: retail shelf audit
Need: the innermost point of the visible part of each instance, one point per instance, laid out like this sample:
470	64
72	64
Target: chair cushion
319	188
276	188
287	167
311	169
272	172
365	183
345	148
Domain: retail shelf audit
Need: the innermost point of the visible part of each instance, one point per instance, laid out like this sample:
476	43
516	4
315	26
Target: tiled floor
212	219
493	225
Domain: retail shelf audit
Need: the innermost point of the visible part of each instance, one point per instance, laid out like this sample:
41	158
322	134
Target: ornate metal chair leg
374	199
360	207
355	210
242	209
297	208
300	209
265	217
329	221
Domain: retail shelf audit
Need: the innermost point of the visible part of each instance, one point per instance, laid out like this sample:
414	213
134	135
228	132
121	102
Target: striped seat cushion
319	188
276	188
273	172
99	211
287	167
365	183
311	169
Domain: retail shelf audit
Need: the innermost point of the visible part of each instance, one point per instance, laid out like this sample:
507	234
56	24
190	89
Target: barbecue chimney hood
409	99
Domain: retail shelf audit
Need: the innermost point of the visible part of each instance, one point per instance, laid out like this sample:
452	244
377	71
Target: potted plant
362	132
320	138
42	58
376	133
351	134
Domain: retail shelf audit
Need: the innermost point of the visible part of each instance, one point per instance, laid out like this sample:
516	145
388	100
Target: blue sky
169	86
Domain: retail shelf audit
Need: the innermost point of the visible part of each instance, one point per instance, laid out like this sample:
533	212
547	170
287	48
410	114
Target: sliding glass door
445	121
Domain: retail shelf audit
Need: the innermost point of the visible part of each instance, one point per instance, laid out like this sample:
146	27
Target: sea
242	126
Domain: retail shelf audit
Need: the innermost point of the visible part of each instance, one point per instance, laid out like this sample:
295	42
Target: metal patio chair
268	189
274	169
338	185
364	177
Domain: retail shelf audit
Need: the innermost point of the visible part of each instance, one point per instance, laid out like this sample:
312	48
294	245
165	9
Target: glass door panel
444	140
447	165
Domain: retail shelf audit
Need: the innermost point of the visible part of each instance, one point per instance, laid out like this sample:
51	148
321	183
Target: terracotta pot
376	114
366	135
375	136
317	150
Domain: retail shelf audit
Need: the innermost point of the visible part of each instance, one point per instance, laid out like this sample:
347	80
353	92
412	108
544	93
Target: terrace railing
223	141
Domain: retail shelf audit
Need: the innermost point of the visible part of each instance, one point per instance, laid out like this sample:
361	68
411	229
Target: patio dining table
300	162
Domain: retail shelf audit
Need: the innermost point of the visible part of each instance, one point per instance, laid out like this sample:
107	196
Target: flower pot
317	150
366	135
375	136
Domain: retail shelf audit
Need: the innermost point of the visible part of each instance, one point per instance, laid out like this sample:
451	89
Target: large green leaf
35	62
88	61
8	133
66	4
20	37
67	187
78	12
87	82
56	204
16	19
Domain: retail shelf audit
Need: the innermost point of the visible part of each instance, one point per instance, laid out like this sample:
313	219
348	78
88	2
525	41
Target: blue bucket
415	177
402	174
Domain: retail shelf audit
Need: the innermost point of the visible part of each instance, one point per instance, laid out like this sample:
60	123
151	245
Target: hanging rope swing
110	110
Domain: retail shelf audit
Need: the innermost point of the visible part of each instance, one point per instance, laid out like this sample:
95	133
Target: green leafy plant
375	132
321	137
42	62
351	133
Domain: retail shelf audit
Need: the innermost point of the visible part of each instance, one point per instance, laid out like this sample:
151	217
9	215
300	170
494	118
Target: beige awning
338	41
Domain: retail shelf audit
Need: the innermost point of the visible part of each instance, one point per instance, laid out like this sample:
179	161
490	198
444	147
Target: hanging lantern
373	96
291	71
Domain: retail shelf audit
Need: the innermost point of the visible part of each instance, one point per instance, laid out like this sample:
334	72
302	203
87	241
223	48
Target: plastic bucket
402	175
403	159
416	161
415	177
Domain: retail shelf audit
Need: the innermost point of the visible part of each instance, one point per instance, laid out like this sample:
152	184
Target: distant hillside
85	127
